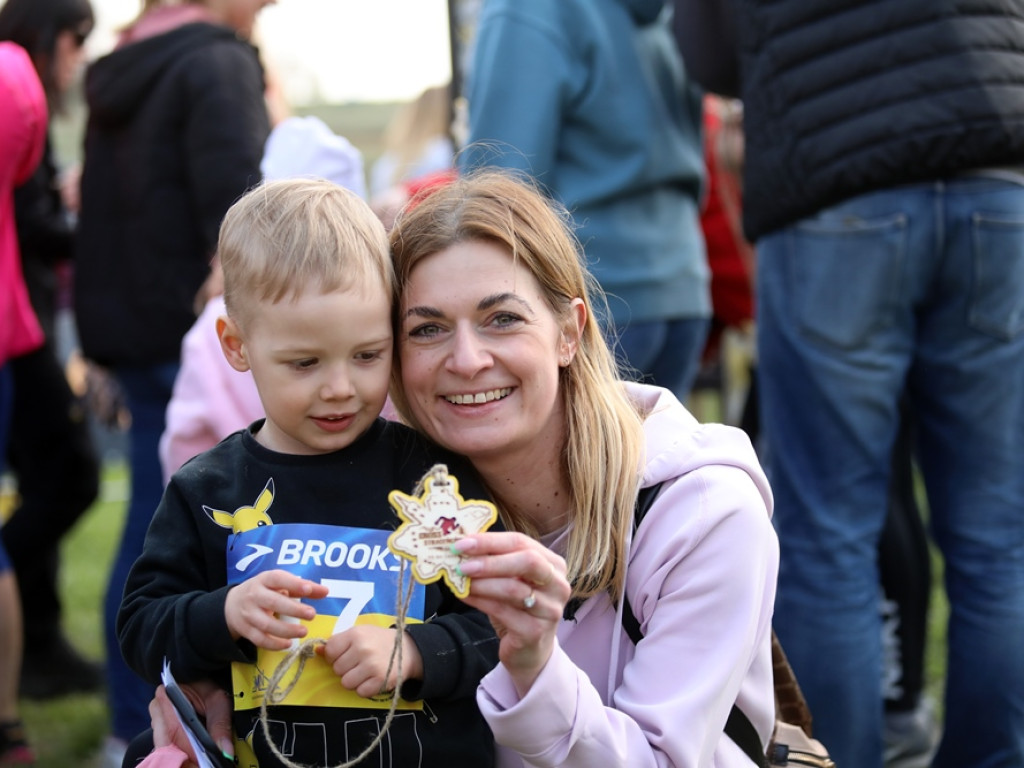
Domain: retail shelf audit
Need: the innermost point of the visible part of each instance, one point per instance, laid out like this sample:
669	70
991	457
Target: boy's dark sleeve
706	35
171	607
458	647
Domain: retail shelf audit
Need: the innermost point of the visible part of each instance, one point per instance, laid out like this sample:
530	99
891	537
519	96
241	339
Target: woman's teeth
479	397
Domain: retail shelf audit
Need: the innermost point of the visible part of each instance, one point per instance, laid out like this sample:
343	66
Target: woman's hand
209	700
522	587
265	611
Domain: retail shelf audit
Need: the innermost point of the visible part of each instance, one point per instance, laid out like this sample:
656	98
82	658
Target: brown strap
790	704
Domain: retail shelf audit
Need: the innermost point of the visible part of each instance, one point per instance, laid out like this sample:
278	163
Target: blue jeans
919	288
147	391
662	352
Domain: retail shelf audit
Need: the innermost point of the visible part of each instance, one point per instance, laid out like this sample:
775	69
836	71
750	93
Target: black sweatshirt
175	596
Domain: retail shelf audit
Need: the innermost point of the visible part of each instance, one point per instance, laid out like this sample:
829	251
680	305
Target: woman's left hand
522	587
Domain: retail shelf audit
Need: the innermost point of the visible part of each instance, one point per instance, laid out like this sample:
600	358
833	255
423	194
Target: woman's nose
468	355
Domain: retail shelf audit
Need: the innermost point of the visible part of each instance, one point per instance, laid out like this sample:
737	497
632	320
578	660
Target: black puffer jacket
175	134
845	96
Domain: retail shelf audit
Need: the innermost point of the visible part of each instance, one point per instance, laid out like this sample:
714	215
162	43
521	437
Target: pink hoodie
22	137
164	19
701	580
165	757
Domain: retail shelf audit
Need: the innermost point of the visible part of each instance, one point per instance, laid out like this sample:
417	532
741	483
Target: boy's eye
366	357
308	362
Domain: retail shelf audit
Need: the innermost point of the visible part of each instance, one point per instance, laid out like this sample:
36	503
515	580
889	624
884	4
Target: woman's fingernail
469	567
462	546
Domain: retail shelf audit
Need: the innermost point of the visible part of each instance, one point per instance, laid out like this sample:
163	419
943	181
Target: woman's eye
505	319
427	331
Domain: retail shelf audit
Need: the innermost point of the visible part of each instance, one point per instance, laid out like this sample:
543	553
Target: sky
334	50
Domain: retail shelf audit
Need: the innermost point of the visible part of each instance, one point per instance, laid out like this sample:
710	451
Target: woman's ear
573	331
231	343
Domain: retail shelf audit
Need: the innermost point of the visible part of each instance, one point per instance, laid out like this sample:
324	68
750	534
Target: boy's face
321	363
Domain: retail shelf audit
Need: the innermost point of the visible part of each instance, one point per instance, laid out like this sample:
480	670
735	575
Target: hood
118	84
644	11
677	443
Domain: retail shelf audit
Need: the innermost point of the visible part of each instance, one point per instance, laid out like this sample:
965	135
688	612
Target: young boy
293	513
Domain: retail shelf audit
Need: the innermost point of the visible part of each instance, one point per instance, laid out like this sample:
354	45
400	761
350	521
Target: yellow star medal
432	522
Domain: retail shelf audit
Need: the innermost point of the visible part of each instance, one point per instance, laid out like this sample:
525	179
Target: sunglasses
81	34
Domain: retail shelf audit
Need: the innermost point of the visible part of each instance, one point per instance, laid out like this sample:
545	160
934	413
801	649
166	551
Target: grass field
68	732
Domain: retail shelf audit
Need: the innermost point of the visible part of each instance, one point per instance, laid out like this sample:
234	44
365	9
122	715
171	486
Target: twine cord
307	648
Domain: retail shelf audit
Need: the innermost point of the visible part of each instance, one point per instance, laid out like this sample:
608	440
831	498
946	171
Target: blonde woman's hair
604	431
283	236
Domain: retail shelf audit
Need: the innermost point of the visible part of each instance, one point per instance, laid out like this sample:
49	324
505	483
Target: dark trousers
51	453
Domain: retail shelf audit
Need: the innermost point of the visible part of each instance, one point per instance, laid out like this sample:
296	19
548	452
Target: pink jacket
701	580
23	119
210	399
164	757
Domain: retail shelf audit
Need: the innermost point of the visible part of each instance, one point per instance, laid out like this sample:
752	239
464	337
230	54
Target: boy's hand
262	609
360	655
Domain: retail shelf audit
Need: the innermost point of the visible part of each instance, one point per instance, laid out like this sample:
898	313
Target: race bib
362	577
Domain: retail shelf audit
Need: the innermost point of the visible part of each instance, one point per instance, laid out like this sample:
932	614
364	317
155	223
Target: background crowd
838	185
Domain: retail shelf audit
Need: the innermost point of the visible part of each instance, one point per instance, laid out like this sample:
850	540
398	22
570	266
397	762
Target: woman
175	134
49	437
501	359
506	365
22	134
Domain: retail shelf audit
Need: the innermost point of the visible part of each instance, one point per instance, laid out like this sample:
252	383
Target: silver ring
529	601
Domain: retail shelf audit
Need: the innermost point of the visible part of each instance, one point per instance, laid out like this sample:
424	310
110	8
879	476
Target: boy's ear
231	343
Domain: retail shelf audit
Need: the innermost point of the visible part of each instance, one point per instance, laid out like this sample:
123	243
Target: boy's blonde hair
282	237
604	445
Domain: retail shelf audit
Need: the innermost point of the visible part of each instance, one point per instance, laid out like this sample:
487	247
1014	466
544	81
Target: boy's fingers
294	586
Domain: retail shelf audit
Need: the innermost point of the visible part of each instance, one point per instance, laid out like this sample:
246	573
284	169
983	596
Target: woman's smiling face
481	351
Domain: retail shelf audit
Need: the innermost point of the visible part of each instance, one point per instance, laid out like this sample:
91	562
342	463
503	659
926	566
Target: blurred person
911	732
22	136
883	186
591	99
49	436
175	133
416	142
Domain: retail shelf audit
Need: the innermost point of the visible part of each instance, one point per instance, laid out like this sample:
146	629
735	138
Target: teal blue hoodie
591	98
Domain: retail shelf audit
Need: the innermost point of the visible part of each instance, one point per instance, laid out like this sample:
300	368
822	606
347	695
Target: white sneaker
911	738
